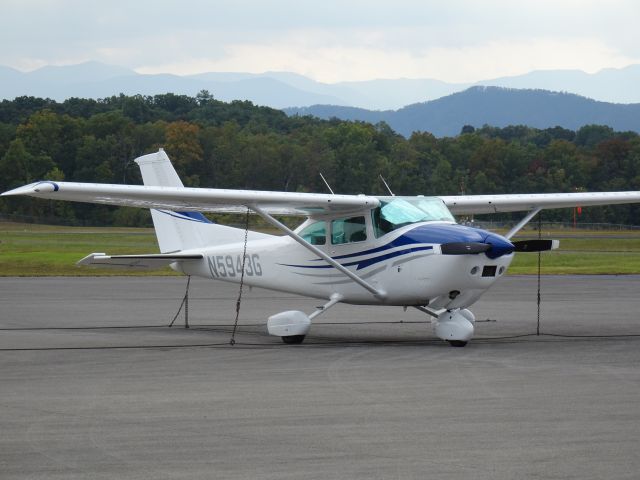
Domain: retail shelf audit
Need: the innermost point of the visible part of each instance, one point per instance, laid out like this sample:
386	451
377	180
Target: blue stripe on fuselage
425	234
439	233
369	261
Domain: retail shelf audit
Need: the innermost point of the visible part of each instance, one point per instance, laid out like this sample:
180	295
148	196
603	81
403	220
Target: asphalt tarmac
93	384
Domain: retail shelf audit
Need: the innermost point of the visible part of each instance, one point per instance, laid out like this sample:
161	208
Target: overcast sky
328	40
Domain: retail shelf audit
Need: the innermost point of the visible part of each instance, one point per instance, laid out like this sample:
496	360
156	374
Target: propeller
464	248
538	245
493	248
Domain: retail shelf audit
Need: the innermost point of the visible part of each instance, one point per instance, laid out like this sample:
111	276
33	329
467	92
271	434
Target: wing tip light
33	189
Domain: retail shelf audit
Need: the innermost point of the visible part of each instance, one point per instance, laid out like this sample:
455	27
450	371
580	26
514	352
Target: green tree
183	145
591	135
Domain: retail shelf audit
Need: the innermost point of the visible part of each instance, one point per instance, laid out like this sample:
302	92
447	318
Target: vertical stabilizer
178	231
157	170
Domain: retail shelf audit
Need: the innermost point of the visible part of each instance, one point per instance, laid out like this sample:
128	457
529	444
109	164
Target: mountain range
495	106
538	99
285	89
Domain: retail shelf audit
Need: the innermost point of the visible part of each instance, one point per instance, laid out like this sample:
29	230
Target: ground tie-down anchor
185	304
539	274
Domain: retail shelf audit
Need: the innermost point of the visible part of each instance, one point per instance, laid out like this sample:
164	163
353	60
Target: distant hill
286	89
96	80
616	85
495	106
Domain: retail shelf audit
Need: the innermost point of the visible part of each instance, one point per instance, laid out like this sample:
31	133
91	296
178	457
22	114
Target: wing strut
317	251
523	222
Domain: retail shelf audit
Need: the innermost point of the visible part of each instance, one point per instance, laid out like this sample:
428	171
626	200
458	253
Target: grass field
43	250
583	252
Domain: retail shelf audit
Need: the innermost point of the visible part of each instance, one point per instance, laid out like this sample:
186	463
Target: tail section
178	231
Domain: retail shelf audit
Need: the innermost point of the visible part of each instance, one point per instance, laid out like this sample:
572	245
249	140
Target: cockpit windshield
396	212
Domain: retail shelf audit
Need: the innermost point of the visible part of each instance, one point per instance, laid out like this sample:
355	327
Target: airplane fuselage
406	264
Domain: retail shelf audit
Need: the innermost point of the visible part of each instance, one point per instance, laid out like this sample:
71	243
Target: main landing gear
292	326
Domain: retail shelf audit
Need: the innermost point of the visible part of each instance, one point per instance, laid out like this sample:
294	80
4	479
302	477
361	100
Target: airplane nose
499	245
462	240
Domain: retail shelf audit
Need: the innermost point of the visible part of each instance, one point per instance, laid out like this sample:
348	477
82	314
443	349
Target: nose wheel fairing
456	327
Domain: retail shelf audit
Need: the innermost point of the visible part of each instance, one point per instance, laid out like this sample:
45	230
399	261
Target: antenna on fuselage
386	185
326	183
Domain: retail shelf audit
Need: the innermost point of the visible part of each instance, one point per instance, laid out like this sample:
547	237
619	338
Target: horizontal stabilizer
148	261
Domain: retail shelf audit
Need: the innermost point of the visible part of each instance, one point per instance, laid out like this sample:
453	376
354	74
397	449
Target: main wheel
457	343
293	339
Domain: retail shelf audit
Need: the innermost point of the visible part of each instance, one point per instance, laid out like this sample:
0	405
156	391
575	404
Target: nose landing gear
456	327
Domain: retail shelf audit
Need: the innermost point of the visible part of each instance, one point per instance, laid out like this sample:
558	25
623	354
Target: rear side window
348	230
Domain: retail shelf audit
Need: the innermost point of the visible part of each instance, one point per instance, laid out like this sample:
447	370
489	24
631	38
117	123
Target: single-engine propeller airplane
355	249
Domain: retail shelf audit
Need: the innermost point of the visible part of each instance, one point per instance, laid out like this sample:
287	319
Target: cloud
454	64
330	40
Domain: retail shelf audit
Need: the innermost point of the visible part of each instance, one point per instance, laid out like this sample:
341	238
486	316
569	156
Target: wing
476	204
197	199
136	261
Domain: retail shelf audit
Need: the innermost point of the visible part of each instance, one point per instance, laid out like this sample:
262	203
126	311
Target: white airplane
355	249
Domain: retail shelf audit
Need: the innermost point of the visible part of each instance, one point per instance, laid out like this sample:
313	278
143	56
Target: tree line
240	145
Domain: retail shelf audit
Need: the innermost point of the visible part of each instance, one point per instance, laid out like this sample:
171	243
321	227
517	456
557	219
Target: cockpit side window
381	225
348	230
315	234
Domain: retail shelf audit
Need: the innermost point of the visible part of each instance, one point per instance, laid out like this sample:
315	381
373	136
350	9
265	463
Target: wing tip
88	260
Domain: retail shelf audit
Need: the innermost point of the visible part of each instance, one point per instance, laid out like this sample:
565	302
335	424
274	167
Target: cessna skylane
354	249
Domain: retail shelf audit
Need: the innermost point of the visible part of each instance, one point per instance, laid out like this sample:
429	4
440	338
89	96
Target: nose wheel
457	343
293	339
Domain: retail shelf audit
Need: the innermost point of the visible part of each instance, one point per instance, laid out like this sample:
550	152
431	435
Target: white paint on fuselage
414	278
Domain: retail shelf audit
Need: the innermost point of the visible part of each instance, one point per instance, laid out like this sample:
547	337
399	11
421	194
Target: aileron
479	204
